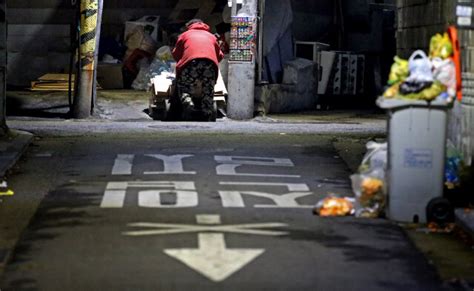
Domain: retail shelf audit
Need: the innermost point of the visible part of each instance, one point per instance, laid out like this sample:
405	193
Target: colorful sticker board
243	36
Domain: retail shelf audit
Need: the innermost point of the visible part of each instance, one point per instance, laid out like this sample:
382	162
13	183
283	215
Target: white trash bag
444	71
375	158
420	68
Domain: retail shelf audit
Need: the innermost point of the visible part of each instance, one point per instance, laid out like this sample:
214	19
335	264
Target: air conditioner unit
309	49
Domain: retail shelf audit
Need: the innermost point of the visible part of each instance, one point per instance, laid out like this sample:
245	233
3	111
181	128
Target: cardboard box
109	76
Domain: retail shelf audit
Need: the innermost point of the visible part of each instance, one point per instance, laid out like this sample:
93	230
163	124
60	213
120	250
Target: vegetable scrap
4	191
334	206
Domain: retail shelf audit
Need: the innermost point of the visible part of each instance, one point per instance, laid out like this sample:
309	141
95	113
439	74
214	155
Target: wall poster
243	39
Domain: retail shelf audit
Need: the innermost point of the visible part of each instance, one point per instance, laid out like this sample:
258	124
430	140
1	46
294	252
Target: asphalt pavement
201	211
121	202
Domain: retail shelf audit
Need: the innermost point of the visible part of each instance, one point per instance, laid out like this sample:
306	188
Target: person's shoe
187	102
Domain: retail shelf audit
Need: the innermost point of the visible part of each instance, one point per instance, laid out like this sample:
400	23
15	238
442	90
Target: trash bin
416	156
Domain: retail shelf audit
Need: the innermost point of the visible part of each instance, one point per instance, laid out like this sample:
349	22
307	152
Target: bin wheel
439	210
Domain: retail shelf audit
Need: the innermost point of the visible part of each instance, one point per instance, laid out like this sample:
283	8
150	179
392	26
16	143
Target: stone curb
465	220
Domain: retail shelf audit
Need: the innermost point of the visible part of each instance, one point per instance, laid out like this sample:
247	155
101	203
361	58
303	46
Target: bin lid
393	104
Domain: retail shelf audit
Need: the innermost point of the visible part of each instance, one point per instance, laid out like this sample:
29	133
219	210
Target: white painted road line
186	196
235	199
171	165
171	228
208	219
301	187
123	165
229	164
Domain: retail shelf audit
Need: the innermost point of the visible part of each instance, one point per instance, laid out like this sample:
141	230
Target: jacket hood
199	26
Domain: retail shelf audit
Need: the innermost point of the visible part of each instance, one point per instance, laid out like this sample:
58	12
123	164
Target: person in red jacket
197	54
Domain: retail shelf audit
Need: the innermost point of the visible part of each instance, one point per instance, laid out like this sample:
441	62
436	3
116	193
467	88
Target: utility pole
241	84
3	66
82	105
96	56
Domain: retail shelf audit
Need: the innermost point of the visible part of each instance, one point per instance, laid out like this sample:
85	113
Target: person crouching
197	54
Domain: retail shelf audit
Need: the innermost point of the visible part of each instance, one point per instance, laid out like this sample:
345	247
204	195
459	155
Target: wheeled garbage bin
416	156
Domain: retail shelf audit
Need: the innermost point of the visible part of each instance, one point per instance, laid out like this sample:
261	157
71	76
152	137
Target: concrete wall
38	39
3	60
312	20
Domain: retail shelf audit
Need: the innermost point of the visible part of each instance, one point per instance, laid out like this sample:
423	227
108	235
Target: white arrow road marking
212	259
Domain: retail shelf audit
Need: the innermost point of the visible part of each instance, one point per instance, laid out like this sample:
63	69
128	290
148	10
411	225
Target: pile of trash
453	166
144	52
423	77
368	186
163	62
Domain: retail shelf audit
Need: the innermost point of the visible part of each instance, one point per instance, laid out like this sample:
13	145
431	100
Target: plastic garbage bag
399	71
441	46
392	91
413	87
157	67
428	94
419	66
375	158
142	82
369	184
444	71
452	167
370	194
164	54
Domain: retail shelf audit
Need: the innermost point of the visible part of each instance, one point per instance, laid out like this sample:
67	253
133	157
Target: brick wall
418	20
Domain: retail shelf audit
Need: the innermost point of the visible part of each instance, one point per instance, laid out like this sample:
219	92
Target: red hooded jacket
196	43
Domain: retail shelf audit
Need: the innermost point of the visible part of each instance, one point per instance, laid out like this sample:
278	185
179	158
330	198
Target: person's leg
186	81
209	72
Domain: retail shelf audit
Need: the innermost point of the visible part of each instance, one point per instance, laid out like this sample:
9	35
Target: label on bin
418	158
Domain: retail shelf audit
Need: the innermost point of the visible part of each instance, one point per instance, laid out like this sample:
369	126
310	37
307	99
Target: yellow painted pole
82	105
89	12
